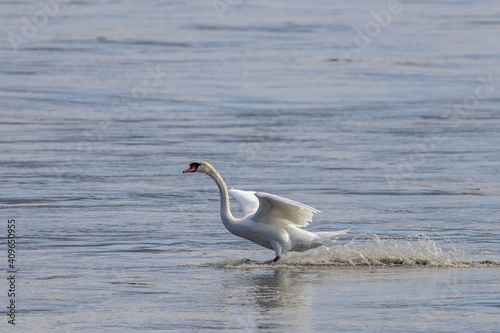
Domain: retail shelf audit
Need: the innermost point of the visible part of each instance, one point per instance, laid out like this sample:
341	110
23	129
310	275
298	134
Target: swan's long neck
225	212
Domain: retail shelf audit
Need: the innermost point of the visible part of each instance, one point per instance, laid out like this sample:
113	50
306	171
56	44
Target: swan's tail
326	237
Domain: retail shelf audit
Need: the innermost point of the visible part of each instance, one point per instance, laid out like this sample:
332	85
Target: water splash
370	250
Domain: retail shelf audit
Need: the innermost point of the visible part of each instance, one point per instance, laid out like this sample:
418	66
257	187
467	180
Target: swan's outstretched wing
246	199
274	208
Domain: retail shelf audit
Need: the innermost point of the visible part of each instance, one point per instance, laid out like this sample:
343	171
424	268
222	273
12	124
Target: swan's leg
278	249
269	262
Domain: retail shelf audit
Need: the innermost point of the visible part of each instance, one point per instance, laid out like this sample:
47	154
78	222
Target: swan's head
199	166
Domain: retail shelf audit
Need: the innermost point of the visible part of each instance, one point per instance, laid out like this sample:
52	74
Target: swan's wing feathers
275	208
246	199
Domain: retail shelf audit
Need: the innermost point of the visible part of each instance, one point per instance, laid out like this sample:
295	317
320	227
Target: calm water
385	117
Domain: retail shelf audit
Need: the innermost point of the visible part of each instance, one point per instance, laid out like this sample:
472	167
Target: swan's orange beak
191	169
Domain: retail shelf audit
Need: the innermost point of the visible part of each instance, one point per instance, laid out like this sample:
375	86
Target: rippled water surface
383	115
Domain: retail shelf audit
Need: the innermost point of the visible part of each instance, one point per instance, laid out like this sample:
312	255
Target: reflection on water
305	299
278	289
267	294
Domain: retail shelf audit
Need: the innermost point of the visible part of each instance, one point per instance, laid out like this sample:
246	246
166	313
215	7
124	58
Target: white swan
270	220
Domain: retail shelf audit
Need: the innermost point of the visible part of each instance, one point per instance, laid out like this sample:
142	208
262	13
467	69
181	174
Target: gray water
385	117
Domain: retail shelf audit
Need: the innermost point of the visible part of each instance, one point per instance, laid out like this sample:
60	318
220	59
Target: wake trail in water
370	250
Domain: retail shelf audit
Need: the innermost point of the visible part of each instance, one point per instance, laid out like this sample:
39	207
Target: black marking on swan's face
193	167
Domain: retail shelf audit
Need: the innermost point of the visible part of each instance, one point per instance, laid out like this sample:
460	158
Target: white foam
370	250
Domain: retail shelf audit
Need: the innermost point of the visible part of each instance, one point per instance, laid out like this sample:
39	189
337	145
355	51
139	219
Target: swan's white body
269	220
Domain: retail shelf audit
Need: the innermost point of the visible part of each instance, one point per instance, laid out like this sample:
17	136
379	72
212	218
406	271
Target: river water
382	114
